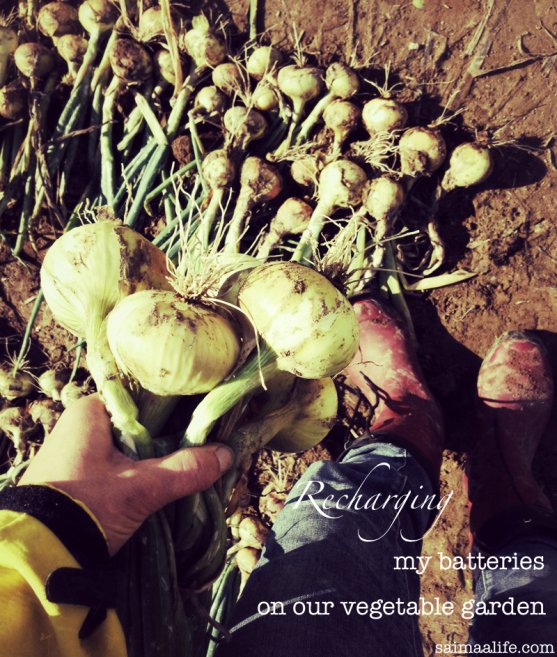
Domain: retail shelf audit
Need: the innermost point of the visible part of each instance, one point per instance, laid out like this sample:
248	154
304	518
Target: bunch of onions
292	218
470	164
259	182
301	85
85	273
422	151
8	46
307	326
342	83
341	185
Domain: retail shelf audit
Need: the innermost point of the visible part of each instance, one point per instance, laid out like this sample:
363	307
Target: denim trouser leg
526	585
346	557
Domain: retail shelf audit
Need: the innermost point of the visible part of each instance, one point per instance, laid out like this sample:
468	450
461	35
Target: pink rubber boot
515	390
387	371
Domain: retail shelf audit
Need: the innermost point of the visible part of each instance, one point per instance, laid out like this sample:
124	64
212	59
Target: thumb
182	473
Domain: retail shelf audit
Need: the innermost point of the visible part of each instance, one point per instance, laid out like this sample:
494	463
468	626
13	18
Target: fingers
181	473
84	417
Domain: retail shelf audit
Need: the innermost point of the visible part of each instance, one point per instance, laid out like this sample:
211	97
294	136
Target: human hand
80	458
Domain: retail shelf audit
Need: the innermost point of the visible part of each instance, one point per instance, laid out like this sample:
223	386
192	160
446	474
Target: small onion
46	413
71	392
13	101
259	182
264	97
151	24
342	117
171	346
244	125
228	78
51	383
383	115
300	84
34	60
218	169
384	198
253	532
97	16
8	45
72	49
15	386
202	45
302	317
130	61
262	61
305	171
341	80
58	18
422	151
165	66
470	164
16	424
210	100
291	218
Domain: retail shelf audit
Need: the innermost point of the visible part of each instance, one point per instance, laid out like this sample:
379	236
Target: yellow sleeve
30	624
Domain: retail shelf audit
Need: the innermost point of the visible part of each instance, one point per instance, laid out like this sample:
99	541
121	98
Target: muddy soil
504	231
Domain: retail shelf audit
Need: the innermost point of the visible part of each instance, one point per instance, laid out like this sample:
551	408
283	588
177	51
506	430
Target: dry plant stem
106	143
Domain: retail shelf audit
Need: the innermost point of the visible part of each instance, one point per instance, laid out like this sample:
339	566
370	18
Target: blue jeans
338	572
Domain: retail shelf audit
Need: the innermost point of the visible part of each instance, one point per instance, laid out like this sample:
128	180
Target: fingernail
225	457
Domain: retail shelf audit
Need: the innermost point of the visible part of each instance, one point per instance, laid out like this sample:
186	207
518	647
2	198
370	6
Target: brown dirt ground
504	230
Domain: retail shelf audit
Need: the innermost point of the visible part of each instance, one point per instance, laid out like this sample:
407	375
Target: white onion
169	345
383	115
470	164
262	61
422	151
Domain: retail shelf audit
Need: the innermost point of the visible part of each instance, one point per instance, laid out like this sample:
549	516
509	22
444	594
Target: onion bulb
210	100
165	66
51	383
470	164
305	170
228	78
33	60
16	385
342	117
13	101
171	346
246	560
72	49
259	182
244	126
264	97
130	61
303	318
422	151
97	16
341	185
71	392
383	201
383	115
151	24
202	45
8	45
301	85
16	424
219	172
58	18
46	413
262	61
291	218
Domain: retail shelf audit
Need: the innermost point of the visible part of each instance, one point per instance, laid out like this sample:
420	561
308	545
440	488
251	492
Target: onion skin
171	346
302	317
